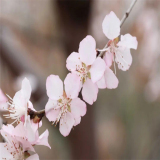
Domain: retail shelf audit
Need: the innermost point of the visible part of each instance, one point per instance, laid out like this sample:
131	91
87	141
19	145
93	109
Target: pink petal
101	83
97	69
78	107
128	41
19	130
30	132
26	89
72	85
66	124
19	100
87	50
111	26
110	79
89	92
73	61
51	110
33	157
54	87
4	153
43	139
108	58
77	121
8	128
123	58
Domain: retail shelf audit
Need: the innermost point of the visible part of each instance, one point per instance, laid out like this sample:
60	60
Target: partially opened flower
31	134
117	51
89	68
16	147
19	104
64	106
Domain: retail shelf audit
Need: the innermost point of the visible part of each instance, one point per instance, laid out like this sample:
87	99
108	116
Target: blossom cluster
88	73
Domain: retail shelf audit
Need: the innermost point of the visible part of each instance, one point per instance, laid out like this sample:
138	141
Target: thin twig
122	21
128	12
36	115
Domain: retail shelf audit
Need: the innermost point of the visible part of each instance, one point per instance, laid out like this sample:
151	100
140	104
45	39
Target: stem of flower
122	21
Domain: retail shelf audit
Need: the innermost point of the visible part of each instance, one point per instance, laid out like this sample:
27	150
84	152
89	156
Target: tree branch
122	21
38	115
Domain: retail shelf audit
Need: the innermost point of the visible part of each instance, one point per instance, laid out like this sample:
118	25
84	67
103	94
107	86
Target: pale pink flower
15	146
89	68
14	151
64	106
3	101
117	51
18	106
30	133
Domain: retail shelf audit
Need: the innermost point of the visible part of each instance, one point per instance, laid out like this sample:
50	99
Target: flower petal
89	92
123	58
87	50
43	139
128	41
111	26
26	89
101	83
97	69
110	79
77	121
54	87
73	61
51	110
108	58
78	107
30	132
66	124
19	100
72	85
4	152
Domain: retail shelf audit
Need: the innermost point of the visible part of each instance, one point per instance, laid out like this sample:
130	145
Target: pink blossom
89	68
120	50
16	145
64	106
19	104
22	138
27	132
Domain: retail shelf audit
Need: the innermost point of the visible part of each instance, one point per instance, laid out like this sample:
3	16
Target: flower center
83	72
63	104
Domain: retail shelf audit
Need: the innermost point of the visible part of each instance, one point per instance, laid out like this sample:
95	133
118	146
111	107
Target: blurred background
36	37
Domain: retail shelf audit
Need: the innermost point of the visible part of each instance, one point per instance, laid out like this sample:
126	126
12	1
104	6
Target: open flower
89	68
19	104
117	51
64	106
16	146
31	134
